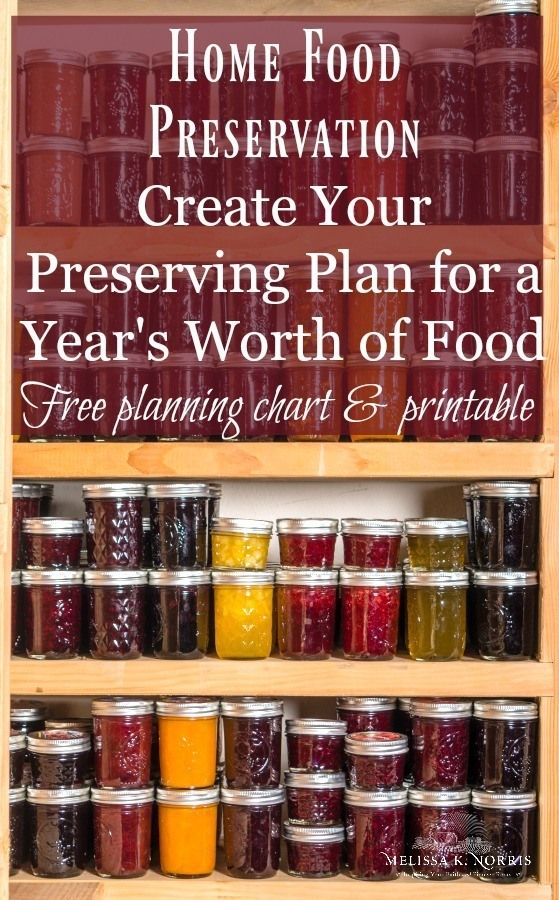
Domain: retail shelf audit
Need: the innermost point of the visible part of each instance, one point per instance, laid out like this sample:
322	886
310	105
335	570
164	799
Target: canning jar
26	499
509	174
377	169
52	543
306	610
366	713
16	825
375	304
468	505
507	93
192	176
377	394
252	741
243	174
506	524
59	823
504	614
508	824
375	827
68	316
318	384
315	798
505	309
122	819
307	542
244	302
440	743
373	99
64	423
49	161
315	745
240	543
503	382
179	525
436	614
117	177
404	726
17	744
317	99
371	543
59	758
122	741
182	375
375	760
187	831
437	544
113	524
243	612
118	608
444	171
17	622
53	93
447	380
252	96
112	381
184	97
52	608
187	729
304	304
26	716
314	852
252	831
117	91
256	384
443	91
453	303
507	23
181	611
438	833
504	745
370	602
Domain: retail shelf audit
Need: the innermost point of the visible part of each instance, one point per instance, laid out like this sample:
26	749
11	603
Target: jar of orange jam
373	310
240	543
187	741
187	831
376	393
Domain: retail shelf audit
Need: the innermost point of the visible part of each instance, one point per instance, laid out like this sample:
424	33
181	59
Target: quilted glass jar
240	543
113	525
252	741
122	741
179	525
375	828
117	603
440	743
243	610
53	614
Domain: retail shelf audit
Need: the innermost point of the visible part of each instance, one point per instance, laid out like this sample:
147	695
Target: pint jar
26	501
377	395
17	745
190	99
319	383
16	826
17	621
514	381
446	379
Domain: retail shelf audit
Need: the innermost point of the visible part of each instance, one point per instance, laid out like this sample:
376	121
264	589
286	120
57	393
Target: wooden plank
59	889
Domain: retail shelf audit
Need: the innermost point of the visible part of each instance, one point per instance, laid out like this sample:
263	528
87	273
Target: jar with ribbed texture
240	543
243	609
114	525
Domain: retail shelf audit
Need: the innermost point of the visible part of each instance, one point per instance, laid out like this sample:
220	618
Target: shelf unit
290	461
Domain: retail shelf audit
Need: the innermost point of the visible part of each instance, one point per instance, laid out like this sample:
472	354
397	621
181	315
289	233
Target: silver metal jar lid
466	491
164	58
56	742
118	57
310	577
85	725
117	145
216	489
404	704
366	704
491	7
376	799
178	577
440	709
242	526
125	796
313	834
376	743
172	490
505	489
31	491
122	706
17	794
507	710
256	797
15	577
436	527
314	780
446	142
307	526
436	579
57	796
506	143
385	527
372	37
52	525
370	577
50	142
507	55
65	577
186	707
328	727
243	576
251	707
191	797
115	577
443	55
24	711
54	307
18	741
504	579
503	800
113	489
70	57
420	797
47	488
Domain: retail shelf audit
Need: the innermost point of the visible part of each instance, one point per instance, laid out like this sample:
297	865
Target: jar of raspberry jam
122	820
48	160
375	760
59	823
52	607
370	602
181	610
371	543
17	747
507	93
117	177
113	524
59	758
440	743
444	171
316	99
375	827
244	303
508	824
68	316
255	383
504	614
437	833
311	380
117	91
190	176
504	745
373	99
62	424
306	609
252	831
26	500
315	798
53	92
505	309
315	745
506	524
179	525
446	305
507	23
26	716
17	619
16	825
443	90
118	608
305	305
366	713
184	97
509	173
122	741
376	171
436	614
307	542
252	741
503	379
447	378
437	544
313	852
114	380
52	543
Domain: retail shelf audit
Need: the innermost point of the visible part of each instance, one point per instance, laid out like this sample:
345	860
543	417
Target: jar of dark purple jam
117	602
26	503
440	743
17	619
509	174
371	543
504	614
52	605
47	493
122	741
437	833
113	525
366	713
306	608
443	170
17	746
508	824
370	607
252	831
375	828
59	823
179	525
252	741
181	608
307	543
52	543
26	716
59	758
506	524
315	798
504	753
443	88
375	760
122	822
315	745
507	23
117	81
16	829
469	516
313	852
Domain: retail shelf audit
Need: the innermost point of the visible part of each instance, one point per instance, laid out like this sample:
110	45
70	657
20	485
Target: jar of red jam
26	500
181	610
377	393
447	305
59	758
69	316
122	741
117	603
17	619
317	99
52	543
504	614
371	543
504	308
507	23
16	825
59	823
249	97
122	820
306	608
186	98
54	93
370	603
315	745
377	171
304	304
440	743
244	303
117	177
61	425
504	745
508	824
182	375
252	831
319	383
179	525
192	176
444	171
117	91
114	380
313	852
437	833
373	99
52	606
375	827
252	742
509	172
507	93
443	91
315	798
48	161
249	170
510	380
26	716
445	379
366	713
257	385
307	542
506	524
17	746
113	524
375	760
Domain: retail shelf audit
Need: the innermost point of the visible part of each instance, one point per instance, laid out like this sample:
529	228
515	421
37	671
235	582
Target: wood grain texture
316	8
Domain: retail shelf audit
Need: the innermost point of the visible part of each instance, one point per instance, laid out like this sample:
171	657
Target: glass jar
440	743
69	316
244	303
506	524
252	742
504	614
468	505
438	833
59	758
450	378
241	175
436	614
316	99
113	525
64	422
307	542
315	798
375	826
122	741
147	557
508	381
26	499
17	623
507	23
117	603
443	91
181	375
314	852
240	543
52	543
505	309
371	543
187	728
374	305
251	97
306	610
437	544
507	93
504	745
172	309
372	174
304	304
184	97
446	305
243	611
181	610
114	380
117	91
117	177
404	726
321	383
375	760
52	608
373	99
16	827
509	173
444	171
252	831
122	820
53	92
257	384
59	823
187	831
17	757
367	384
370	602
508	824
26	716
179	525
48	161
315	745
366	713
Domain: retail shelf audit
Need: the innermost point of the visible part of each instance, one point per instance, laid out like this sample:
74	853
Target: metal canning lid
25	711
446	142
43	307
117	145
503	800
504	579
57	796
293	58
420	797
307	526
315	780
444	527
371	144
72	724
507	54
113	489
242	576
178	577
71	57
56	742
17	491
238	361
117	796
50	525
121	706
440	709
133	360
16	577
376	743
329	727
292	362
17	794
115	577
251	707
175	489
191	797
18	741
163	58
67	577
505	489
404	704
310	577
443	55
366	704
491	7
187	361
242	526
355	359
446	359
436	579
385	527
466	491
44	142
32	491
313	834
370	577
187	707
118	57
510	142
376	799
353	38
256	797
511	710
304	271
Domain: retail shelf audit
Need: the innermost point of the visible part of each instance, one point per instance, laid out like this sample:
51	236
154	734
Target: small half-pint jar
315	745
371	543
59	823
508	823
506	524
440	743
252	831
243	612
122	821
315	798
306	609
17	745
122	741
117	604
240	543
375	760
504	754
436	614
52	607
181	609
188	736
313	851
187	821
52	543
16	824
437	544
370	602
366	713
308	543
59	758
438	820
504	614
113	525
179	525
49	161
375	830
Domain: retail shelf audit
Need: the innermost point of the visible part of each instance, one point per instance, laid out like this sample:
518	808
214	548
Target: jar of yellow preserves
243	606
437	544
240	543
188	728
436	614
187	831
